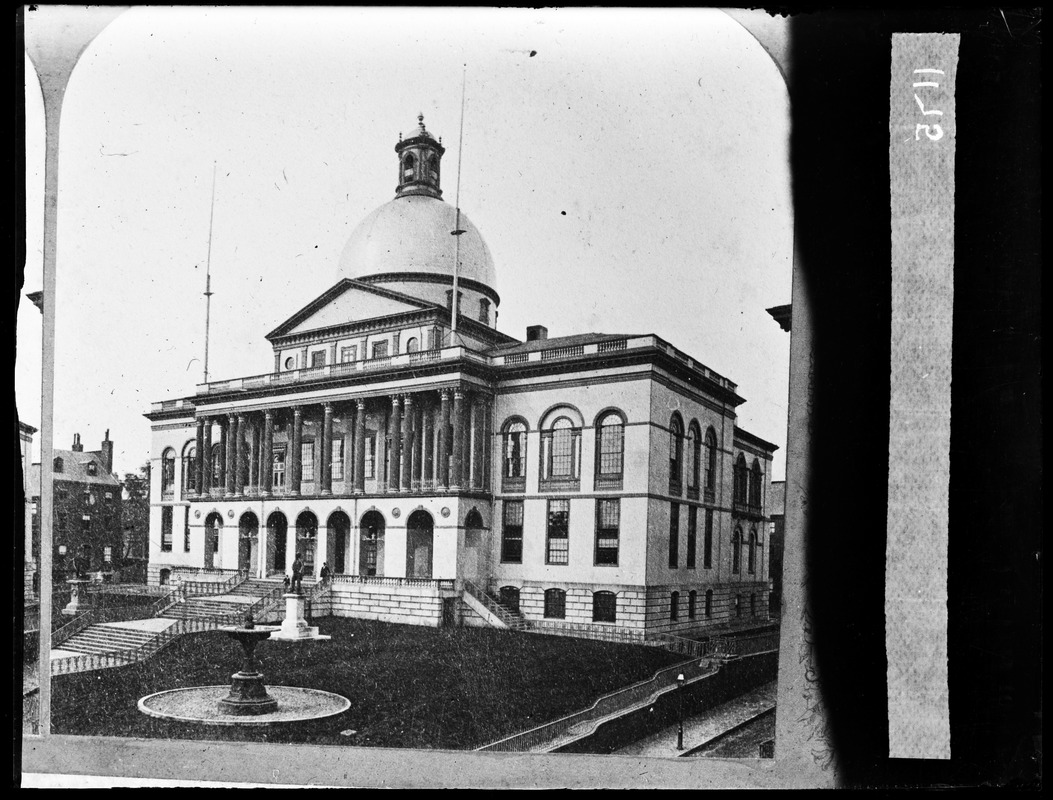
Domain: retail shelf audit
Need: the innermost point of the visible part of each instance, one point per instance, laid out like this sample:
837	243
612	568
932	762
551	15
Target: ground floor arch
371	544
307	540
420	535
277	529
248	541
213	530
338	542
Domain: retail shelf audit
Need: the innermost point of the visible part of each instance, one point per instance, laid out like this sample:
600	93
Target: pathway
704	728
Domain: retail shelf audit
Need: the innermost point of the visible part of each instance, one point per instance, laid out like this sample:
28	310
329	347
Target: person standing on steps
297	576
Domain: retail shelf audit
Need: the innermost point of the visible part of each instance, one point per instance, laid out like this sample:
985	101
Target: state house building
595	479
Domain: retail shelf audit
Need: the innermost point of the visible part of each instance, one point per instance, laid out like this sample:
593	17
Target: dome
412	234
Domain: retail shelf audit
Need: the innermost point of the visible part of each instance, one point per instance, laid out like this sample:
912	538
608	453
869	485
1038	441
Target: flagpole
208	269
455	305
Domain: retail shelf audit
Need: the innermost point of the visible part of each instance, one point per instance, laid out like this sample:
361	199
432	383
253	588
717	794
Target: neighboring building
87	508
597	478
25	446
776	543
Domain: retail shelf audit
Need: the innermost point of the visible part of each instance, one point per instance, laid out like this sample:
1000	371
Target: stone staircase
490	608
104	639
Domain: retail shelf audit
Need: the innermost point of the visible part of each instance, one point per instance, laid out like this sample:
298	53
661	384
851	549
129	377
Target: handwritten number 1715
934	132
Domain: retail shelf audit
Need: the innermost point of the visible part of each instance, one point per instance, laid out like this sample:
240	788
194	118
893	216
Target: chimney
107	453
537	333
77	446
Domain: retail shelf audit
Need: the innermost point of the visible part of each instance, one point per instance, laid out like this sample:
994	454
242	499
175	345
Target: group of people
295	583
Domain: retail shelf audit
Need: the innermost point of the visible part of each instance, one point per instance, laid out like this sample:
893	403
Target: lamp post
680	715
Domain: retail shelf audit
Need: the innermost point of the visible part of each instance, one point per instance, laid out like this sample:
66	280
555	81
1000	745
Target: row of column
427	445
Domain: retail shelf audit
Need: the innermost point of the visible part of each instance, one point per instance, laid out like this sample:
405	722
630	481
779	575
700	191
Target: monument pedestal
73	608
294	627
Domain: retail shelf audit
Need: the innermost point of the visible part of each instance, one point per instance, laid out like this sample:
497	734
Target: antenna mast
208	269
457	232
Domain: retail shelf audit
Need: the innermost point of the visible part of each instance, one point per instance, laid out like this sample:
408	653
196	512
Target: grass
408	686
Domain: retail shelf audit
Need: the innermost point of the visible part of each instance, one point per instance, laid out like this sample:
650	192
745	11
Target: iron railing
512	620
547	737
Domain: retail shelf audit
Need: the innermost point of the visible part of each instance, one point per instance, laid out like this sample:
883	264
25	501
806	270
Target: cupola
419	156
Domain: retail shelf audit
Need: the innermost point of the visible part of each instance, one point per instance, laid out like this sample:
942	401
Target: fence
545	737
510	619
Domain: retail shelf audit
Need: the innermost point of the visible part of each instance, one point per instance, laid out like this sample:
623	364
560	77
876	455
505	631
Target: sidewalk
703	728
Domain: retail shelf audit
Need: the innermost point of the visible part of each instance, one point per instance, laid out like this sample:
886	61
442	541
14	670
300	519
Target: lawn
408	686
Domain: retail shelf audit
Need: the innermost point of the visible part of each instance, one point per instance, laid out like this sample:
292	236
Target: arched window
555	604
189	469
167	473
610	450
736	551
407	166
692	602
412	344
515	448
741	479
694	435
510	598
561	455
709	603
433	167
164	576
604	607
676	454
674	606
711	462
755	484
751	554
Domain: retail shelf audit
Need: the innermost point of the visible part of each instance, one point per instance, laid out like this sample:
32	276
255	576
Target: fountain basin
201	705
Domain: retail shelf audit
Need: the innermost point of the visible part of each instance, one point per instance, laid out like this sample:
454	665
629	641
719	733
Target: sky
627	168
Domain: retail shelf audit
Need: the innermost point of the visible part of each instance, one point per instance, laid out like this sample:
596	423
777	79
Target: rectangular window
380	349
338	459
166	529
512	532
692	535
109	495
608	521
371	457
318	358
307	461
107	554
557	545
186	529
555	604
604	607
707	547
674	536
278	473
348	354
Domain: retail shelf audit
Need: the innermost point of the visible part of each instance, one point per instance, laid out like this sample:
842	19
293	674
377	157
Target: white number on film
933	132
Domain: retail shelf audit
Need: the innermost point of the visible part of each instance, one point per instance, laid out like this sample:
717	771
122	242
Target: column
406	465
394	423
488	442
425	449
219	480
473	444
360	445
242	457
326	455
296	439
206	447
254	456
267	455
443	448
199	466
458	439
232	454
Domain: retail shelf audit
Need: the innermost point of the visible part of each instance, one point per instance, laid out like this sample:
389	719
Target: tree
135	515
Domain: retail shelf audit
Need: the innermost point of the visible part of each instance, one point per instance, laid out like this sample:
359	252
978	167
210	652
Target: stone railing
380	580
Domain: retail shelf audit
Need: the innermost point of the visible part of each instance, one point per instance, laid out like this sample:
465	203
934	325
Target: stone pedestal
74	597
294	627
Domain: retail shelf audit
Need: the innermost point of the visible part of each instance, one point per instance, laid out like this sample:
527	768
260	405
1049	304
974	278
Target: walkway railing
742	645
219	586
513	621
545	737
73	627
584	630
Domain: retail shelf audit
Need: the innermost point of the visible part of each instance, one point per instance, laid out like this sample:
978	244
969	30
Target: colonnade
427	441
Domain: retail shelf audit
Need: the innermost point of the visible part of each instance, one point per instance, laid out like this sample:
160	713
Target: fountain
248	696
247	701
